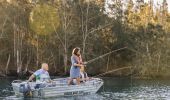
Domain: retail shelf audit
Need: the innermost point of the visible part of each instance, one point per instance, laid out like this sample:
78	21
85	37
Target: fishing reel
85	64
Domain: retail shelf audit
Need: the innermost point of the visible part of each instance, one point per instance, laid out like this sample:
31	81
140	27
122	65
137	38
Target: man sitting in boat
83	74
41	75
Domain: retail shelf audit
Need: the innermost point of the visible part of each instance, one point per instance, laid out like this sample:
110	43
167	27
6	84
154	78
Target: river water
113	89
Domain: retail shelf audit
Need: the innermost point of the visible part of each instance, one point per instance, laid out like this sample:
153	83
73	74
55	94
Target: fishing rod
102	74
90	61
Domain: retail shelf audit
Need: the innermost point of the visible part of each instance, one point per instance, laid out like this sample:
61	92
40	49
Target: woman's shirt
74	60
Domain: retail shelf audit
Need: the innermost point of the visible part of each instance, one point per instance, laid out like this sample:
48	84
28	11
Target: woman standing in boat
77	63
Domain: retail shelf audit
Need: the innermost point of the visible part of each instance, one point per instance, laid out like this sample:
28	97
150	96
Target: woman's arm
81	61
78	65
76	61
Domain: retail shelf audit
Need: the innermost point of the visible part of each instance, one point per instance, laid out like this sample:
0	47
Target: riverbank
24	77
116	72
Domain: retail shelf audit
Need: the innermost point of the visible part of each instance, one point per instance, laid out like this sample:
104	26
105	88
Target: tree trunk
159	56
18	65
37	61
65	60
108	60
6	69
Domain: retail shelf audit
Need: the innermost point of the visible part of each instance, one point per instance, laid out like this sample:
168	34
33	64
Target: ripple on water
137	93
85	97
6	92
140	93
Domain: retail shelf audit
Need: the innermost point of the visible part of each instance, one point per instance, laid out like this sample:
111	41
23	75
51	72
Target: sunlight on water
113	89
140	93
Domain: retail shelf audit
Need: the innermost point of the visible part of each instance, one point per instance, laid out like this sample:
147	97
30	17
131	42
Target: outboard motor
25	89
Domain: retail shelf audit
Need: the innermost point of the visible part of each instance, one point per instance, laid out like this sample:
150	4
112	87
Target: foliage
43	18
47	30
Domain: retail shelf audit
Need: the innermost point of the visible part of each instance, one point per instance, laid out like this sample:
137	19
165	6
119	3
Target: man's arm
31	78
50	81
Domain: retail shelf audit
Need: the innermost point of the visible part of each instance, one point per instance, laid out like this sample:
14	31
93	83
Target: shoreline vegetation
37	31
105	74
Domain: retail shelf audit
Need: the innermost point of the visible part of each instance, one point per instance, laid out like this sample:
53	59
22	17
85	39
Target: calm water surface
113	89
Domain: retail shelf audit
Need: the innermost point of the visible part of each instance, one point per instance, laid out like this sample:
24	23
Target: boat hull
61	88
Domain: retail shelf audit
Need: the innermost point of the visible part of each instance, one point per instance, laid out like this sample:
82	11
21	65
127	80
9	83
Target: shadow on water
113	89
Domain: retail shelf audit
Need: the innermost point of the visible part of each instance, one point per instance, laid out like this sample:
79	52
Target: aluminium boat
57	88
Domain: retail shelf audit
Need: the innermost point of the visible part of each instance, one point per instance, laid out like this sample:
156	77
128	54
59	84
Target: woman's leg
78	81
